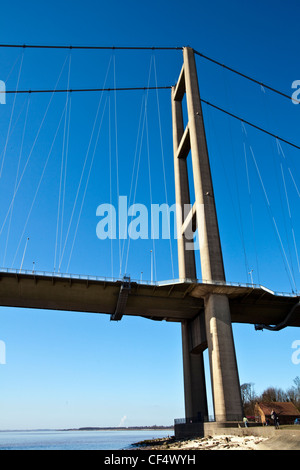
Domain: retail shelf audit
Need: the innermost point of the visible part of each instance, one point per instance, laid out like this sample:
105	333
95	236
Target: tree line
270	394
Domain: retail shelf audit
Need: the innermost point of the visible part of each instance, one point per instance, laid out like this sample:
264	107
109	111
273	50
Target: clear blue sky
71	369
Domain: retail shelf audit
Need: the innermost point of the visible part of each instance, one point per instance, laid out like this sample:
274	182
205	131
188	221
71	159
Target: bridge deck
170	300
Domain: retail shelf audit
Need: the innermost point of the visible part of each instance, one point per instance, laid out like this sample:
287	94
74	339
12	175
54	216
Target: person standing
275	418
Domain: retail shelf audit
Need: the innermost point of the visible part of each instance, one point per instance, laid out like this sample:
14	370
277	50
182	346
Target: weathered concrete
223	365
186	431
282	440
186	258
169	301
194	375
211	258
193	364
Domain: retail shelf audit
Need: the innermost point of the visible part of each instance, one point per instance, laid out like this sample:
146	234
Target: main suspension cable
258	82
168	87
147	48
102	48
250	124
82	90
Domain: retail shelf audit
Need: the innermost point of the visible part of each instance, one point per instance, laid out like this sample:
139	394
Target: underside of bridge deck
178	301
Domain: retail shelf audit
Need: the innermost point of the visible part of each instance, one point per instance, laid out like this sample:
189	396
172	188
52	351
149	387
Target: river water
76	440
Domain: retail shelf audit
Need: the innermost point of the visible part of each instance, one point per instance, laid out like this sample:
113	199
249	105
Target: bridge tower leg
193	364
215	331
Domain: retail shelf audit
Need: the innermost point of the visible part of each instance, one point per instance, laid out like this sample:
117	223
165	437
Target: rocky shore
221	442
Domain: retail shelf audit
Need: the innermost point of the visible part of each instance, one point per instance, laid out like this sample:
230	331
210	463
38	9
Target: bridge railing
90	277
206	419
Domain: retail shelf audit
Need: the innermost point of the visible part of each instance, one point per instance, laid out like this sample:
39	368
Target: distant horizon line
93	428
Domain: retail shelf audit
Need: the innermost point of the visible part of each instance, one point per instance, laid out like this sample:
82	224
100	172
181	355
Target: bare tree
274	394
270	394
293	393
248	398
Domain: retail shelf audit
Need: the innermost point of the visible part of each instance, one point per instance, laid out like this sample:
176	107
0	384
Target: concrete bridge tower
212	327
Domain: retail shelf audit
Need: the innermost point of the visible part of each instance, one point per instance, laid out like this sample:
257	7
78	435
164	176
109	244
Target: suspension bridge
207	306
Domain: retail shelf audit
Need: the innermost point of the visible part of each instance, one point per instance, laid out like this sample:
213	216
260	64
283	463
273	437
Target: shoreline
285	438
217	442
